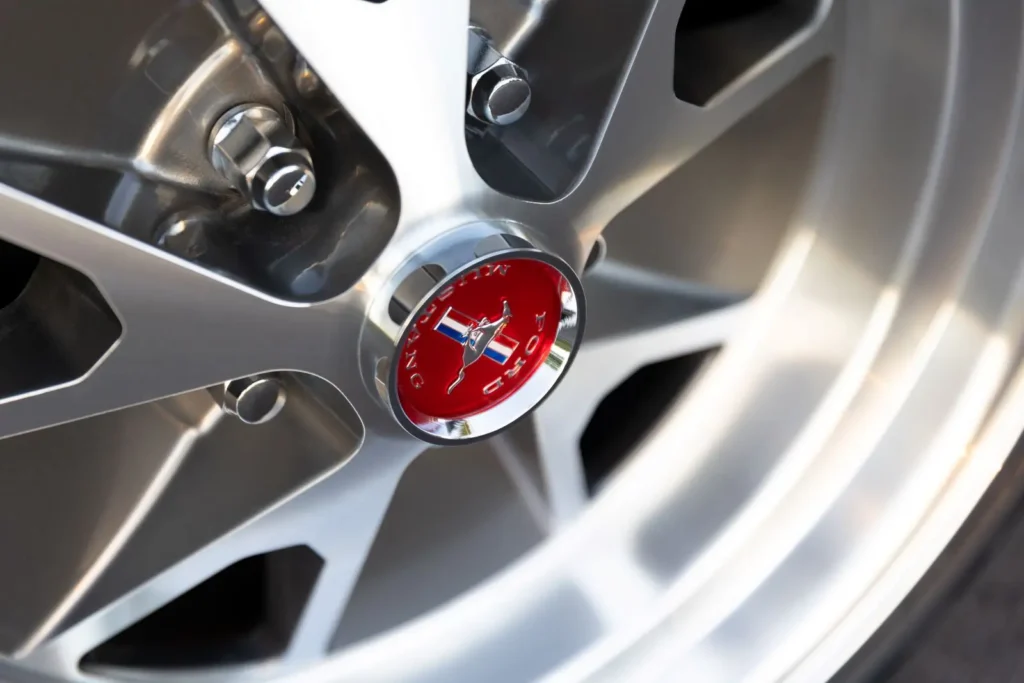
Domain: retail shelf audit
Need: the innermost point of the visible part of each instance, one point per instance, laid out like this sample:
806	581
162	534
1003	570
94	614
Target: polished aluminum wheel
795	225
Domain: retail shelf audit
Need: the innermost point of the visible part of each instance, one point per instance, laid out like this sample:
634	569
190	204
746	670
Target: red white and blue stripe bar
457	326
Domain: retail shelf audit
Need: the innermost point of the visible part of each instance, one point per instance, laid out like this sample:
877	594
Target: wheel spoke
628	301
649	132
89	485
607	360
60	655
341	518
182	328
336	517
399	69
627	335
517	452
558	451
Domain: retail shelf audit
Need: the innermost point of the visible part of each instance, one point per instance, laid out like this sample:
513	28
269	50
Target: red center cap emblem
485	345
479	339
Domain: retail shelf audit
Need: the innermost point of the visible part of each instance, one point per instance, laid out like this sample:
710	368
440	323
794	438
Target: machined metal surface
510	22
862	399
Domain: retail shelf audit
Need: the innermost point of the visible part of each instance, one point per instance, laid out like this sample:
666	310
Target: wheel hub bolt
254	400
499	92
255	148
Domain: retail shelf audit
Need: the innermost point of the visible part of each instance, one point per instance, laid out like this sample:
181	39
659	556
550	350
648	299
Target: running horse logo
479	338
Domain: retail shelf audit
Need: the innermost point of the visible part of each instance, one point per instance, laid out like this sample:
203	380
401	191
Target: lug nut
499	92
257	151
254	400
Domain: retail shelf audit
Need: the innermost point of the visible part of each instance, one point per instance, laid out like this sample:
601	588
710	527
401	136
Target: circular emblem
480	339
483	344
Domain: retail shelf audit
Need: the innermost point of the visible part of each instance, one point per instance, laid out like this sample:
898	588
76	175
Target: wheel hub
478	330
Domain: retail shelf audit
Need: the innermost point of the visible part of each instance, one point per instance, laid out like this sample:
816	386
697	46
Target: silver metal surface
510	23
255	148
254	400
861	402
499	89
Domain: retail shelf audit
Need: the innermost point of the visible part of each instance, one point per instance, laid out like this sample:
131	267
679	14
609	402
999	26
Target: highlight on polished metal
478	339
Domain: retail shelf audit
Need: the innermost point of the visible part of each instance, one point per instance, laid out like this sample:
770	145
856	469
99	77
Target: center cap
479	343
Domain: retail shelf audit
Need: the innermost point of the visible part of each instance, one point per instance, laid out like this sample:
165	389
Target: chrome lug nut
254	400
499	92
257	151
